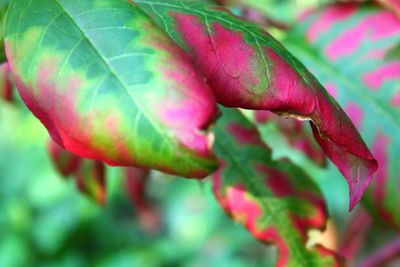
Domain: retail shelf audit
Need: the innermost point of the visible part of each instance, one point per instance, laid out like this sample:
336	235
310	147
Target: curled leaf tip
352	158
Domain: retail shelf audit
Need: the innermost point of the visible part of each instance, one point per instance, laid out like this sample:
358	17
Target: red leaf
253	75
135	186
149	217
89	174
65	162
90	179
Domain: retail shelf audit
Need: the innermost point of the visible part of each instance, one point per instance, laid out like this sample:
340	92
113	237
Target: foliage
195	89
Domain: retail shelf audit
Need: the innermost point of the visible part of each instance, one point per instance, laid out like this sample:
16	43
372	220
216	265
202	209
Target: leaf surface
247	68
354	50
274	200
110	85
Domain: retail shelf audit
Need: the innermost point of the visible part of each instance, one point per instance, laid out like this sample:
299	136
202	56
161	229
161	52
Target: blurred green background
45	221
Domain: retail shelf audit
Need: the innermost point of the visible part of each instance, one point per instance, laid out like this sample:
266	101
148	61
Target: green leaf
110	85
274	200
353	50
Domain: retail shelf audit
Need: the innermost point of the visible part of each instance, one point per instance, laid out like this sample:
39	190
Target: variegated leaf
274	200
110	85
247	68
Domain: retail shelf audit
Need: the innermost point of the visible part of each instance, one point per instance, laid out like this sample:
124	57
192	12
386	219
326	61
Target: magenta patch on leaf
182	114
244	136
277	182
224	58
396	100
355	113
373	28
282	186
380	149
248	212
331	89
262	116
328	18
376	78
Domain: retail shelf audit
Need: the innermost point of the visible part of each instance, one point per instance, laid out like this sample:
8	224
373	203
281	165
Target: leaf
6	84
295	133
90	180
275	201
148	216
247	68
135	184
89	174
65	162
116	90
352	49
355	235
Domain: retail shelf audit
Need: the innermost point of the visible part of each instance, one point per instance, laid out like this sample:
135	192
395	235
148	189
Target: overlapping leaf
148	216
354	50
89	174
6	84
91	180
275	201
295	133
110	85
65	162
247	68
